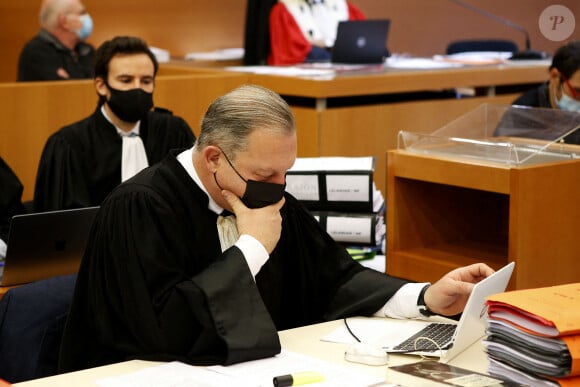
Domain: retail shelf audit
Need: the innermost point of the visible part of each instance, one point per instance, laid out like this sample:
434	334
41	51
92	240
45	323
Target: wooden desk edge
305	340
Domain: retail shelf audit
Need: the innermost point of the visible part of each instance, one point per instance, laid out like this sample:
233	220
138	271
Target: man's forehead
74	6
131	64
267	151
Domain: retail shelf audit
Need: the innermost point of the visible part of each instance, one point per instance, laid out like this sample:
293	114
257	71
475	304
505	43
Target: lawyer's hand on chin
264	224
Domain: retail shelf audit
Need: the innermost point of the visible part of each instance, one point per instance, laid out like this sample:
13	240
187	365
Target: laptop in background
361	41
471	326
46	244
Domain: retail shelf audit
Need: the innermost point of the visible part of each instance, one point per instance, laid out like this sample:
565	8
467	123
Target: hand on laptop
449	295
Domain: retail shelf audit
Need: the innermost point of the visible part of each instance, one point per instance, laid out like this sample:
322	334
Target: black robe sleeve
10	198
61	180
315	276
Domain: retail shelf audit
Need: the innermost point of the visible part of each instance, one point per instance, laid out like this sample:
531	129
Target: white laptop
45	244
470	328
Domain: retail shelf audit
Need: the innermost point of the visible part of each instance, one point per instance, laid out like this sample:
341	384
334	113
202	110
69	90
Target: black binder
344	191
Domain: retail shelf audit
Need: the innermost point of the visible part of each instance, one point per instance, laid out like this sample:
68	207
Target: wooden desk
444	213
360	114
305	340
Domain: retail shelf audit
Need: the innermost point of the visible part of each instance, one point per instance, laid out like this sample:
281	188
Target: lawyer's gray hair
231	118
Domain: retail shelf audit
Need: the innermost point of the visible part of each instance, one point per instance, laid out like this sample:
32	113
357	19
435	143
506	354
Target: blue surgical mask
568	103
87	28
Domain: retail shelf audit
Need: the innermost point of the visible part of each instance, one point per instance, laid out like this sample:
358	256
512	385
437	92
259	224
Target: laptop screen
361	41
46	244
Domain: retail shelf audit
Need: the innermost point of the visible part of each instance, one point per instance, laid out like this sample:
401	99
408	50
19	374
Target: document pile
341	194
534	335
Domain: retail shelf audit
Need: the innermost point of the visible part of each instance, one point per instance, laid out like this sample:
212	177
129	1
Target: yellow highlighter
297	379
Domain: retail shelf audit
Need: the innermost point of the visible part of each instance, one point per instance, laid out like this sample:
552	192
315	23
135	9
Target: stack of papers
290	71
535	333
475	57
217	55
161	55
419	63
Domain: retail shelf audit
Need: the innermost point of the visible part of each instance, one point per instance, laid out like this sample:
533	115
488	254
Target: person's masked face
128	87
130	105
86	27
567	102
258	194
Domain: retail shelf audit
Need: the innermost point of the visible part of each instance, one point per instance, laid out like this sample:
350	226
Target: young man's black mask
130	105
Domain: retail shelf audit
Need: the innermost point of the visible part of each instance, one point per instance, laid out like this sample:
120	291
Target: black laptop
46	244
361	41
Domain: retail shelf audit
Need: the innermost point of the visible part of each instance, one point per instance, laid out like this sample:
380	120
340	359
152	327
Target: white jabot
134	158
227	231
133	155
3	249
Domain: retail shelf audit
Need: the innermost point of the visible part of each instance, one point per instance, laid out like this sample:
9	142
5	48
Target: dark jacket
44	55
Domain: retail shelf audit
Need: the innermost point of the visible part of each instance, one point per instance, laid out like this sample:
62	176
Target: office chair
32	319
495	45
491	45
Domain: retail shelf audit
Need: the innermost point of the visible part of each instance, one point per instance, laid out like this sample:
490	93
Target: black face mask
258	194
130	105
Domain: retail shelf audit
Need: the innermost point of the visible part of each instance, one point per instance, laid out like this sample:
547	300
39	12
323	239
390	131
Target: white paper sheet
263	371
257	373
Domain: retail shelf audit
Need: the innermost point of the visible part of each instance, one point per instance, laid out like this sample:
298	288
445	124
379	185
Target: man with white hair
58	51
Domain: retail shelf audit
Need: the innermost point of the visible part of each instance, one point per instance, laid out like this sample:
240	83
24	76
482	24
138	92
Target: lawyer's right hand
264	224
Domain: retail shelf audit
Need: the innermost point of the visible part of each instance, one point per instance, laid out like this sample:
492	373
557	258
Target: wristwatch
421	303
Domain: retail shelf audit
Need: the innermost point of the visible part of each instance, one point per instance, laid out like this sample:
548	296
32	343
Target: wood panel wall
419	27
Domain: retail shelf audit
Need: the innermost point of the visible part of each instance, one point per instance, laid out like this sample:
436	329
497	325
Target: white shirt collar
185	158
120	131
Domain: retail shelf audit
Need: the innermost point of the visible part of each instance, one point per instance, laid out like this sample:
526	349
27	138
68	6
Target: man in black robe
167	275
83	162
10	202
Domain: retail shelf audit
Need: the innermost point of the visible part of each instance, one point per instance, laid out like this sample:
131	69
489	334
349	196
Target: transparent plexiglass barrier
512	135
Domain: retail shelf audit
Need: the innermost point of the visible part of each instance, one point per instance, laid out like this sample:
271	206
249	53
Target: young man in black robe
81	163
166	277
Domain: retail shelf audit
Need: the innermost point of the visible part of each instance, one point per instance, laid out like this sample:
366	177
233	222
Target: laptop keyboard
440	333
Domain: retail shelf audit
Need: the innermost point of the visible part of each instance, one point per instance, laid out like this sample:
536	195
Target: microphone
528	53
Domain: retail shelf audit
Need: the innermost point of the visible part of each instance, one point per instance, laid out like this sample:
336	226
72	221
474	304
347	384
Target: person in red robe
305	30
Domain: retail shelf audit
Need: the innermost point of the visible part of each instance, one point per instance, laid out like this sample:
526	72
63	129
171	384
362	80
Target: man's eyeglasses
575	92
